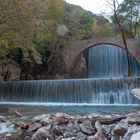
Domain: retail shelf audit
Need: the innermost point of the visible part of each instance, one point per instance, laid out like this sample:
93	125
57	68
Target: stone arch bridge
72	53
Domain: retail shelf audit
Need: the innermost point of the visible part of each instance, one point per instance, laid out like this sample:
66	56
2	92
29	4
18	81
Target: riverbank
62	126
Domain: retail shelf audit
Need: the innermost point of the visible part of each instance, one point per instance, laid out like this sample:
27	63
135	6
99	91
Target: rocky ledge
136	92
62	126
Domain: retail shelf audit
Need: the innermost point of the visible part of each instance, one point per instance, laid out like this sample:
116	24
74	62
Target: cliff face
80	68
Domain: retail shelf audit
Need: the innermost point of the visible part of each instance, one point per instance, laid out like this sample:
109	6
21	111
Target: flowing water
92	91
107	87
107	61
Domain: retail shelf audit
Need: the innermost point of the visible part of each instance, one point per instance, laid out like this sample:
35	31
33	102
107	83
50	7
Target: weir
94	91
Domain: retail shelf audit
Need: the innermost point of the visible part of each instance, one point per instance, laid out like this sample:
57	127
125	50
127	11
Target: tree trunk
6	75
124	41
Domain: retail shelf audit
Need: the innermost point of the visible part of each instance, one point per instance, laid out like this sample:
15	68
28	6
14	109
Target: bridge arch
96	45
72	53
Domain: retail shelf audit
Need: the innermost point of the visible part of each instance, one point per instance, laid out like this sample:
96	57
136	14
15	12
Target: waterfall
107	61
107	83
94	91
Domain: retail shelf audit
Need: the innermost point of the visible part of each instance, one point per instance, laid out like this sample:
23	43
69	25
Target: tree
129	12
16	30
115	7
102	27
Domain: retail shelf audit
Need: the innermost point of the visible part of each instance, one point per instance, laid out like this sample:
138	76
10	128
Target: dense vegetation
33	34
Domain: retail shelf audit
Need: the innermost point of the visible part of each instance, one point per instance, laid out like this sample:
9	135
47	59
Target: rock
8	135
97	136
98	126
81	119
133	118
120	129
6	128
87	127
46	120
2	119
42	133
62	118
17	113
93	116
80	67
136	92
34	127
71	138
116	138
22	125
107	130
109	119
56	131
70	130
136	136
81	136
40	117
131	131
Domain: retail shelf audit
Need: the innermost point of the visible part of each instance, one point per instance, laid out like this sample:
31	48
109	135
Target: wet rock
87	127
133	118
56	131
116	138
93	116
46	120
98	126
42	133
81	136
120	129
70	130
62	118
6	128
136	92
40	117
109	119
34	127
81	119
71	138
107	130
2	119
22	125
131	131
97	136
136	136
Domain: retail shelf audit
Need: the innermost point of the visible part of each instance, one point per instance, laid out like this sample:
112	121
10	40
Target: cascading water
99	91
107	61
107	69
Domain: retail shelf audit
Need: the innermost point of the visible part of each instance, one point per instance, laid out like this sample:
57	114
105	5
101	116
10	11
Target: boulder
56	131
120	129
62	118
81	136
131	131
2	119
87	128
136	136
99	127
133	118
40	117
42	133
97	136
34	127
109	119
136	92
70	130
81	119
46	121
